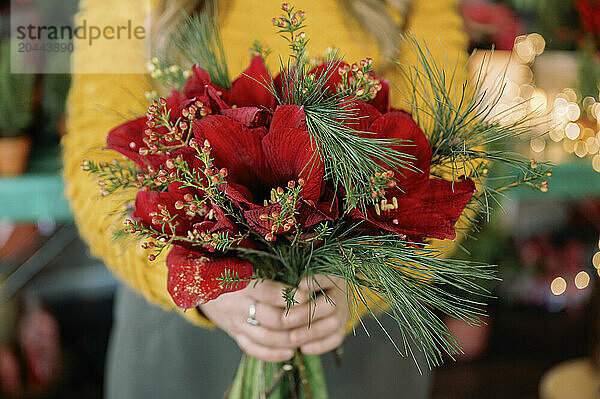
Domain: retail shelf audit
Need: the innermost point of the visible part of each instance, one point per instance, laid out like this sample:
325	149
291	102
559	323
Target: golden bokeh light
560	105
596	260
592	145
538	42
556	135
588	102
558	286
582	279
525	51
596	163
569	146
570	95
572	130
596	110
580	149
539	101
573	112
537	144
526	91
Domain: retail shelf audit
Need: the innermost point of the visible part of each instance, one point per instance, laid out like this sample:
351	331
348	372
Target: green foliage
198	41
465	137
15	96
411	282
112	176
230	279
350	158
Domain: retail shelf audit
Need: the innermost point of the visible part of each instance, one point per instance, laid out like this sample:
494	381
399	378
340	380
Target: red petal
233	146
366	114
121	137
432	214
238	194
192	278
196	84
310	215
382	99
199	83
248	89
219	223
288	116
248	116
290	155
217	98
397	125
148	201
333	79
252	216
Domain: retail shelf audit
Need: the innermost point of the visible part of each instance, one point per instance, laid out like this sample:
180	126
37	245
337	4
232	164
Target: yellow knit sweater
99	102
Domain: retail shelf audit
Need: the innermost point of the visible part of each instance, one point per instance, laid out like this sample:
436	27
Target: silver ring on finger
251	315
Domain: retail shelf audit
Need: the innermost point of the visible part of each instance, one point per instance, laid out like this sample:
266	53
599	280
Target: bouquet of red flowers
304	173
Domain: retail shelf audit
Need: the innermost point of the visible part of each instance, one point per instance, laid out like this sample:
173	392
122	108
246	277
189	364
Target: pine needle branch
198	41
412	282
466	134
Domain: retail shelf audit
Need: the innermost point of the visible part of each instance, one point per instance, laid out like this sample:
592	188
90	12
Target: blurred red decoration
491	24
589	15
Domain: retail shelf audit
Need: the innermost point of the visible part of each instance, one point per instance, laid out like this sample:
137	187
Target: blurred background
542	338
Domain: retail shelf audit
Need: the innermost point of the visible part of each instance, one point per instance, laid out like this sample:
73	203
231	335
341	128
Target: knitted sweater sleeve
96	104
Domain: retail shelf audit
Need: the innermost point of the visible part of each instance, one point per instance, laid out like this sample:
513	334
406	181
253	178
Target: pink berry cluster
283	220
163	135
380	182
359	80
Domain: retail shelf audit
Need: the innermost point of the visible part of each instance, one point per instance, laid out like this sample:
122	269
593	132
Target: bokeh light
582	279
558	286
572	130
596	260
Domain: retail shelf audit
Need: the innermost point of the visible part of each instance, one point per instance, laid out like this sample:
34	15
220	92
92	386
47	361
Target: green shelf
37	194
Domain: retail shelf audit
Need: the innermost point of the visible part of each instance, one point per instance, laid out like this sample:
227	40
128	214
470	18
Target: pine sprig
198	41
465	135
412	282
351	158
112	176
230	279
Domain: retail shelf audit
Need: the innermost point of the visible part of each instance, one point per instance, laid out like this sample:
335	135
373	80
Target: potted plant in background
15	116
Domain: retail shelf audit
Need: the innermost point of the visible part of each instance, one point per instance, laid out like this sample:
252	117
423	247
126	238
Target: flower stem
304	381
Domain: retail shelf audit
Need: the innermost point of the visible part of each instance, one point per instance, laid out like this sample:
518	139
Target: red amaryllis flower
259	161
151	207
128	138
418	206
193	272
193	276
252	102
193	269
246	91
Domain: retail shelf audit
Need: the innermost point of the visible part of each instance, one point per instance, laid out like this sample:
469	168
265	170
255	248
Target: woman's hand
277	334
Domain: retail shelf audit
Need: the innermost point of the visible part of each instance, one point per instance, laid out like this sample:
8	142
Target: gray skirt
157	354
